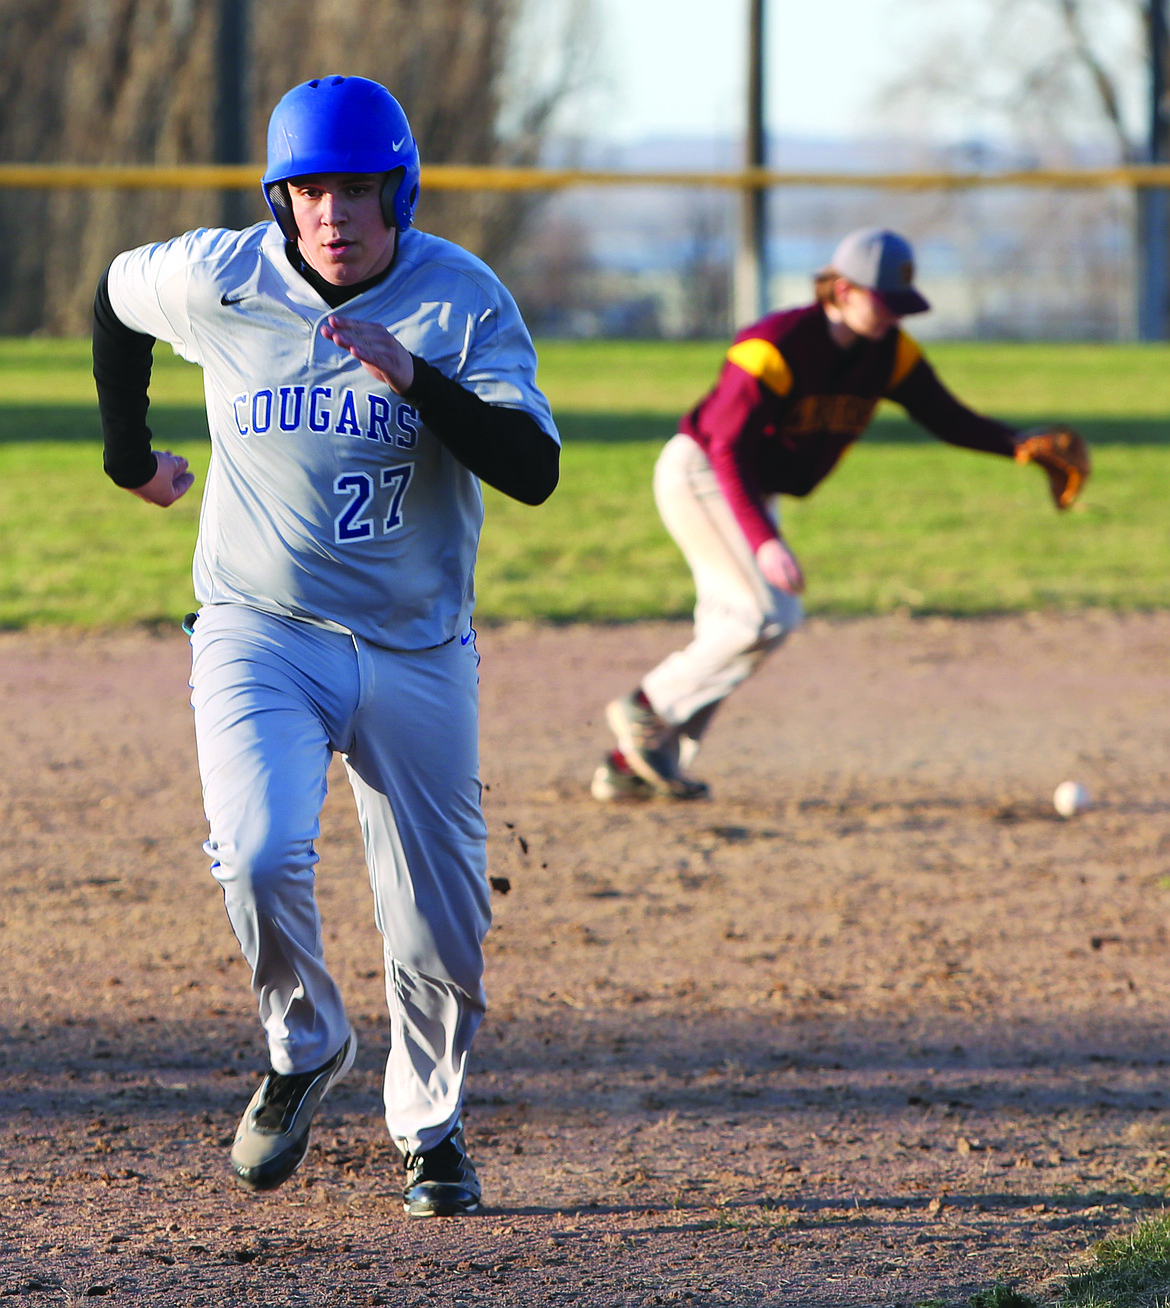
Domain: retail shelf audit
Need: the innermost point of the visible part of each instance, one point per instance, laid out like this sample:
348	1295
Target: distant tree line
135	82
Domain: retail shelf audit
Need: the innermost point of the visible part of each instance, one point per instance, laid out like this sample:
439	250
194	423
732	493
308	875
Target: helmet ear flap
389	197
281	206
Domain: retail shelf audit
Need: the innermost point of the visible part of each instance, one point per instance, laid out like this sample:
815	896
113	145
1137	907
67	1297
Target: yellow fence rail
459	177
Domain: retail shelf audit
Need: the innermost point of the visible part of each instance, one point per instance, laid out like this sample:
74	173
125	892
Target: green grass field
905	523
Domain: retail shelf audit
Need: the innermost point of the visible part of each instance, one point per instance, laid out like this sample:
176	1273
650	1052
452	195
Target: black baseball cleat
273	1133
442	1181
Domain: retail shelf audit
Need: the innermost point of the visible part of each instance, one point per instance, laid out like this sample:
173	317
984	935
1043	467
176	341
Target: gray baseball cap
882	262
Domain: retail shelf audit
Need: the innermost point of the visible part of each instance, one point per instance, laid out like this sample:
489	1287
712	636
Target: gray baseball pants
739	617
274	698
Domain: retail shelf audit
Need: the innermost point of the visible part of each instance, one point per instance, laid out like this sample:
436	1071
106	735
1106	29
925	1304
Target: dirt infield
872	1026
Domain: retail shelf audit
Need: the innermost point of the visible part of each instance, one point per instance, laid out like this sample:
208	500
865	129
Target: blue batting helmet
341	125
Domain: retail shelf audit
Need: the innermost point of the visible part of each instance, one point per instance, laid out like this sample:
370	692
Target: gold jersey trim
905	357
761	359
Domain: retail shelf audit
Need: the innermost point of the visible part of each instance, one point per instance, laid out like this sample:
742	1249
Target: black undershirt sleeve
122	361
507	448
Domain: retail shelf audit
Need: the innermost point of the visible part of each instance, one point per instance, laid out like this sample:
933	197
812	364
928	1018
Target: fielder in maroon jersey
796	390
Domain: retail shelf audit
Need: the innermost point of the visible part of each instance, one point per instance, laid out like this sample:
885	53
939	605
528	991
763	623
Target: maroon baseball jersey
790	401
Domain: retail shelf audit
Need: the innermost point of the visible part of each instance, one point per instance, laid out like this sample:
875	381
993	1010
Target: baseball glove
1064	456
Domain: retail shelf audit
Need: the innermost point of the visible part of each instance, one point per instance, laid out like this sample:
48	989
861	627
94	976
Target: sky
678	67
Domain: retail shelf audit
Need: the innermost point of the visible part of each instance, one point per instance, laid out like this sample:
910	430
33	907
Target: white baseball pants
273	699
739	617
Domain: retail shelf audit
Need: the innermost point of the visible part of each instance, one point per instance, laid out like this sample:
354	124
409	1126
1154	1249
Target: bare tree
706	271
132	81
556	282
1030	83
1048	73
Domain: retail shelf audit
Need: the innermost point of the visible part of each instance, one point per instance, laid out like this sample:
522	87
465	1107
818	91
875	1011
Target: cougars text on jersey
361	414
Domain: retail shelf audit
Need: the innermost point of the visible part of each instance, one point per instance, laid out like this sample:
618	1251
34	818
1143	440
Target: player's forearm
507	448
122	362
930	404
736	420
747	503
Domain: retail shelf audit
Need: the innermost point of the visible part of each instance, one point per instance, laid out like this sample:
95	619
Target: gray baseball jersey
363	522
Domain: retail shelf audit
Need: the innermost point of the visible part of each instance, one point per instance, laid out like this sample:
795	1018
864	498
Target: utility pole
231	103
751	277
1153	202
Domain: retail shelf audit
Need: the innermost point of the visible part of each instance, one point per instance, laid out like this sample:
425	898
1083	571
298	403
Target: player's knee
771	638
775	627
768	635
262	872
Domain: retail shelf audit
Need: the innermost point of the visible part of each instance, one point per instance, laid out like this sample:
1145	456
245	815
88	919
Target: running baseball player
796	390
361	378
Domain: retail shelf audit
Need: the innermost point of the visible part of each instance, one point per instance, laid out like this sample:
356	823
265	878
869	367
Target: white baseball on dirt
1070	797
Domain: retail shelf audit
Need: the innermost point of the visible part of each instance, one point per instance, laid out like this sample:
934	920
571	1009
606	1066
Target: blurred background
842	88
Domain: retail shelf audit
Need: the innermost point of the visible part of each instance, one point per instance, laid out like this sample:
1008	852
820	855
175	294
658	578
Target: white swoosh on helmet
397	145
